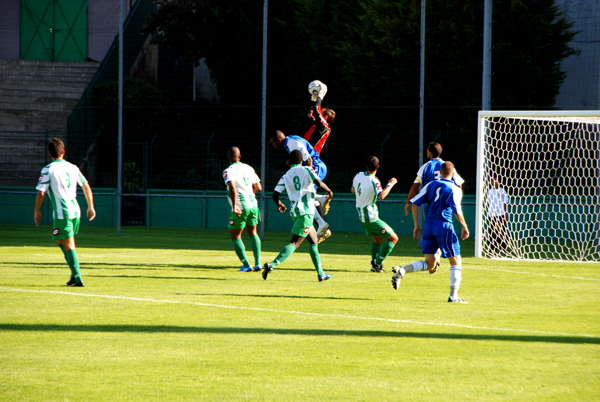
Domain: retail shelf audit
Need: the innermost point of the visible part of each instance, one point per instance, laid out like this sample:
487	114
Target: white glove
323	91
314	88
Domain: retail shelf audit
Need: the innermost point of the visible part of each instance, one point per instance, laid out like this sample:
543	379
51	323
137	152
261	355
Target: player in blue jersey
429	172
444	199
311	158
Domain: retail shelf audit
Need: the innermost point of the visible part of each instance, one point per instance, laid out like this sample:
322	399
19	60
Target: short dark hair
435	149
276	134
56	147
233	153
296	157
329	113
372	163
446	168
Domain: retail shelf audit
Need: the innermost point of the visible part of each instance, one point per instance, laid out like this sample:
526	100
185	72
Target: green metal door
54	30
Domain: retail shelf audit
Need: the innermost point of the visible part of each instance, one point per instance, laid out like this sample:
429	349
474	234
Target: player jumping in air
60	179
242	183
299	182
444	199
319	119
368	189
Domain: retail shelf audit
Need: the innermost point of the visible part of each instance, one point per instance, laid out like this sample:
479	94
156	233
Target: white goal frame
484	160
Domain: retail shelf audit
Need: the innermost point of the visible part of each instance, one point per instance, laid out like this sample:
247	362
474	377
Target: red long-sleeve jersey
319	131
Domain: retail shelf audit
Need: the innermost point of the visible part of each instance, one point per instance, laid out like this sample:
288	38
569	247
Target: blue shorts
440	234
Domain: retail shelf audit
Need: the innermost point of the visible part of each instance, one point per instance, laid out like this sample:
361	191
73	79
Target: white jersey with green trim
60	179
366	188
242	176
298	182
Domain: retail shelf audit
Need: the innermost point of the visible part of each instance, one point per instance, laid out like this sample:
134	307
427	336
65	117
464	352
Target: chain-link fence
180	117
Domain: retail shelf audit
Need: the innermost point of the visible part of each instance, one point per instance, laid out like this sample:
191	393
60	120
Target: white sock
416	266
455	277
320	198
320	221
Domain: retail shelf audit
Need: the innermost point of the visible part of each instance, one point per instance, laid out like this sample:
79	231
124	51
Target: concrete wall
213	213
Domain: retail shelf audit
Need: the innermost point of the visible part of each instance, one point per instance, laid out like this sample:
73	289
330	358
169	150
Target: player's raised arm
387	188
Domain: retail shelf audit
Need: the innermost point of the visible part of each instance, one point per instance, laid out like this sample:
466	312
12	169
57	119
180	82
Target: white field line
533	273
528	331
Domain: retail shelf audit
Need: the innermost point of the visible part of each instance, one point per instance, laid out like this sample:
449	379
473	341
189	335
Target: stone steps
35	96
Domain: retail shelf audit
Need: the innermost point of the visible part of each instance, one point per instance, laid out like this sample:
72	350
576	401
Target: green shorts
65	228
249	217
377	228
302	225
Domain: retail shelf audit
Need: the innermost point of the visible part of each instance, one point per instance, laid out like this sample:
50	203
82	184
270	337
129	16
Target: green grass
166	316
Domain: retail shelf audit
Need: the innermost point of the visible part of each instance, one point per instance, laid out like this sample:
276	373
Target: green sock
375	249
385	251
255	241
313	250
73	261
240	250
284	254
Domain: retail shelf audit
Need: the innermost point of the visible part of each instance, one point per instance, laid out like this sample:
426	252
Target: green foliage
144	110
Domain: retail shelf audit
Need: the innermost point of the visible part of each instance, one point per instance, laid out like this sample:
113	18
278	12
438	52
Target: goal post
538	185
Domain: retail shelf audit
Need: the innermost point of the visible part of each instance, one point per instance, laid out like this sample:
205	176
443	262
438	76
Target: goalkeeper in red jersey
319	118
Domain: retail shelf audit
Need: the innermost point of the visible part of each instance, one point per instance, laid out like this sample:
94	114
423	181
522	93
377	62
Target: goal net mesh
540	192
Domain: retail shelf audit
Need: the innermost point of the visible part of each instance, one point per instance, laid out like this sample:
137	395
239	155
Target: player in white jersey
299	184
312	158
444	199
60	179
367	188
242	183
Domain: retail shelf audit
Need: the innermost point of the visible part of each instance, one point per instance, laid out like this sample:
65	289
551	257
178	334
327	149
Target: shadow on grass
105	237
295	331
276	296
151	267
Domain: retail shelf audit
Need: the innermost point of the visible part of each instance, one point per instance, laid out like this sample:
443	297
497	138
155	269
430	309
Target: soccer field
166	316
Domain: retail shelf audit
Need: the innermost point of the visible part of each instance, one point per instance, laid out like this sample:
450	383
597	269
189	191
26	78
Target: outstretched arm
323	186
387	188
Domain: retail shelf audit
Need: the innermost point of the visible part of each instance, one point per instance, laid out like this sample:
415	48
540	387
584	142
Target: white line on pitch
301	312
534	273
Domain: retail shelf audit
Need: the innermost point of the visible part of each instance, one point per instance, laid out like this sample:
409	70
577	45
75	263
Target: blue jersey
293	142
443	198
431	171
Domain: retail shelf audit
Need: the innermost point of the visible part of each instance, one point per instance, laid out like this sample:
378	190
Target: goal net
538	186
